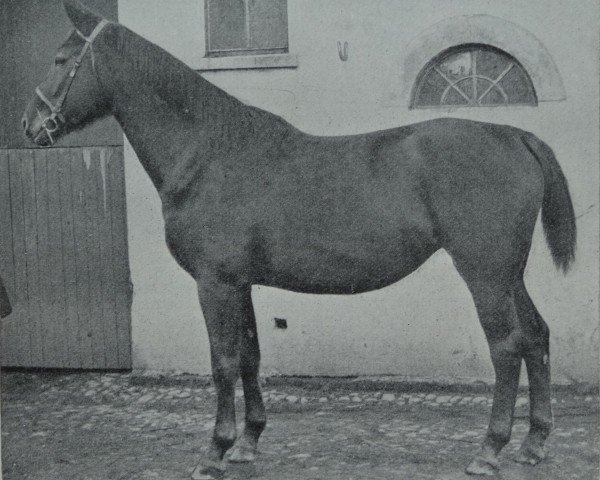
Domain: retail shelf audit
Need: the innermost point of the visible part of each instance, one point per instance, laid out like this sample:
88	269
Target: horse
249	199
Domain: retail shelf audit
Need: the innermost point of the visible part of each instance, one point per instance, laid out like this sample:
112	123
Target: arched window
474	75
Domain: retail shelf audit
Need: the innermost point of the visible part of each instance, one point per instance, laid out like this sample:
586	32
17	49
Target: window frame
438	59
247	58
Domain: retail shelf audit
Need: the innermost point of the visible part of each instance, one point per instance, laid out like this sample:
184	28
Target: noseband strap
52	123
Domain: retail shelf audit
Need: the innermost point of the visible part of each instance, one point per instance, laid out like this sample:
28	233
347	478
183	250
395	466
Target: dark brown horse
249	199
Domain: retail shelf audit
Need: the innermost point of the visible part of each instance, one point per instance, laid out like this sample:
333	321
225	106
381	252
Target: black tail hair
558	216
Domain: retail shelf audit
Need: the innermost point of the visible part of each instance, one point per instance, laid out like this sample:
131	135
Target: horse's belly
364	267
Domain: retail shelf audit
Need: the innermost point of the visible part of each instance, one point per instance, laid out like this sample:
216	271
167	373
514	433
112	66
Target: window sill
283	60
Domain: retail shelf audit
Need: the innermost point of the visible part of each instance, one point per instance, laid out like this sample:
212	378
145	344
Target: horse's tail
558	217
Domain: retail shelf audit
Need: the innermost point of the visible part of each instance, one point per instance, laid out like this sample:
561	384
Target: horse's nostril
24	123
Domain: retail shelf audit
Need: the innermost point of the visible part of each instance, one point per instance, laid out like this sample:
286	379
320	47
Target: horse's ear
82	19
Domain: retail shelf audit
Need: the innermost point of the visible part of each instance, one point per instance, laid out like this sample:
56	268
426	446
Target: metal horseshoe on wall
343	51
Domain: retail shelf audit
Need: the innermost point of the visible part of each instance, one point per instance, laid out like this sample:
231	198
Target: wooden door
63	255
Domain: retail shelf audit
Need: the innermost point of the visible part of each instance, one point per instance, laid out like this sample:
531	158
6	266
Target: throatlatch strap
97	29
89	40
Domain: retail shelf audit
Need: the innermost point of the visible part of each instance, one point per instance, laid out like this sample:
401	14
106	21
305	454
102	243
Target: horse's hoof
209	470
483	466
242	454
530	454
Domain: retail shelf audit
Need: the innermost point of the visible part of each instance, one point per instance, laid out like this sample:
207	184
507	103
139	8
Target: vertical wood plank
56	313
81	258
69	261
92	171
46	320
36	327
120	265
20	315
104	216
7	270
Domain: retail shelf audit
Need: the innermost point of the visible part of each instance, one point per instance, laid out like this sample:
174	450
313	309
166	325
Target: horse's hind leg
494	300
536	353
245	447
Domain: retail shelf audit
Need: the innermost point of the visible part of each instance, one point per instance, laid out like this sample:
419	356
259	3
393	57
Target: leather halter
52	123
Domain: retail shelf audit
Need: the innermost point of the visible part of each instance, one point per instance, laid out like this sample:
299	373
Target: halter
52	123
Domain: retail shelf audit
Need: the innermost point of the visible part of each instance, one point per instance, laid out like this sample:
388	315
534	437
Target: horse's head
70	96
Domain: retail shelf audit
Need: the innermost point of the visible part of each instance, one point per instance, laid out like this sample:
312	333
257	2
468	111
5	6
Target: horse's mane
192	95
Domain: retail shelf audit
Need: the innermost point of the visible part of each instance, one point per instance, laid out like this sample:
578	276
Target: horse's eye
58	61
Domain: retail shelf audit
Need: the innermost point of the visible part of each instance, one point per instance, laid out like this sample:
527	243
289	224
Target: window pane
491	65
516	85
268	24
430	88
493	97
457	66
453	95
226	22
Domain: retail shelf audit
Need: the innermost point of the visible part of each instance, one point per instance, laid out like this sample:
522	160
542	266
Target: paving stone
388	397
145	398
291	398
521	402
300	456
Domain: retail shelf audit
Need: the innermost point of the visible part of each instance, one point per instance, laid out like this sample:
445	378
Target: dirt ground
94	426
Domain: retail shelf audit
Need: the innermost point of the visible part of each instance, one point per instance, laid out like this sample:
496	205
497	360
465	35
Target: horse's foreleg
536	353
246	445
223	309
497	313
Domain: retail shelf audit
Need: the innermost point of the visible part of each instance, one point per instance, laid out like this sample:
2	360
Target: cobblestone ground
96	426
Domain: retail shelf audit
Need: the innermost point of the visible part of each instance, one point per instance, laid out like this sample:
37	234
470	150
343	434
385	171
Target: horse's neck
184	119
155	132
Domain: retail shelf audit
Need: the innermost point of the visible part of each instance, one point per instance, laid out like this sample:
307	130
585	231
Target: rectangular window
246	27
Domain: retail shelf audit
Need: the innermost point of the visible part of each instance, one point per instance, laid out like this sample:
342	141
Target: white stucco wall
425	325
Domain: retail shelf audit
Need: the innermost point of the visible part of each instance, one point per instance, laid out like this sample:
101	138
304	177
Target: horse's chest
197	241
